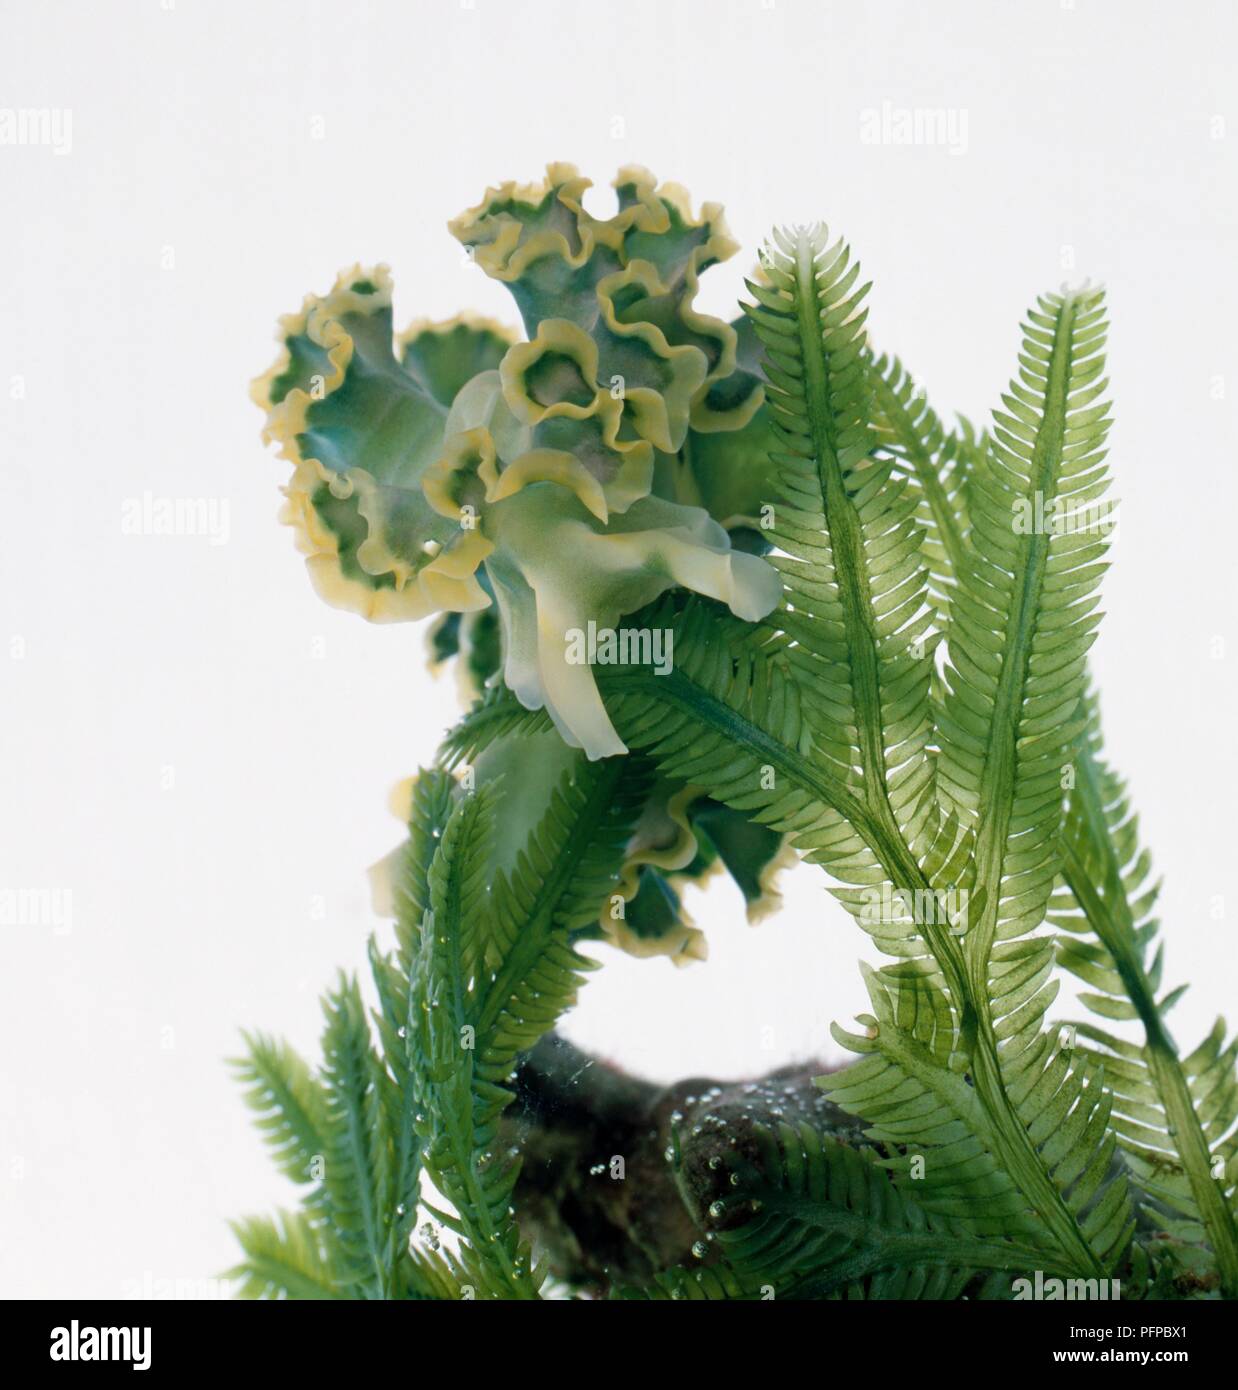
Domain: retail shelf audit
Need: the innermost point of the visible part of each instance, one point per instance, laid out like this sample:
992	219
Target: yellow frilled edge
662	417
681	947
466	318
449	580
497	241
663	839
769	900
629	476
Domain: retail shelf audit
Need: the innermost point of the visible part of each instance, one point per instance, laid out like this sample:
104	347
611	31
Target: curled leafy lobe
629	281
360	431
452	468
679	837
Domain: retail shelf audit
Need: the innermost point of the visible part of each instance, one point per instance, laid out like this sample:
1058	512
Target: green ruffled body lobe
361	430
571	478
680	837
727	470
444	358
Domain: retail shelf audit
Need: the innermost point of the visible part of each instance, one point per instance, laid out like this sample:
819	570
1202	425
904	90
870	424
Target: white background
141	275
